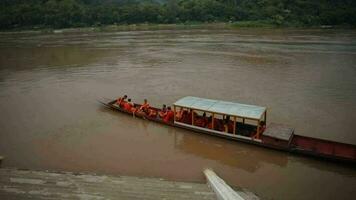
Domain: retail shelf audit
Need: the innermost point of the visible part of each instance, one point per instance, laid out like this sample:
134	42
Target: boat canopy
222	107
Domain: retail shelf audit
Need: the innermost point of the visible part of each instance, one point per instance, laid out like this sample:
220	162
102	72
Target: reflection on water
236	155
50	119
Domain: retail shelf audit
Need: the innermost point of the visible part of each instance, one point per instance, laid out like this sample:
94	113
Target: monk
169	116
179	114
210	123
120	101
152	113
144	108
129	106
217	124
201	121
163	112
188	117
145	105
228	125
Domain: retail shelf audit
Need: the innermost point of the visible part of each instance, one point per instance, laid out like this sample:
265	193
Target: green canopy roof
222	107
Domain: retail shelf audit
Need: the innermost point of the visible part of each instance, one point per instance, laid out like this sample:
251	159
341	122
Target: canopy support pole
258	130
174	110
266	117
234	125
192	117
212	121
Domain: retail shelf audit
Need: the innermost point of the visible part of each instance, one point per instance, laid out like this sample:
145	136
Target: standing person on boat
121	100
169	115
163	112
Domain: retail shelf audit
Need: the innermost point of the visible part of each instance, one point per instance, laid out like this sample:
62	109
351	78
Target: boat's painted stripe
217	132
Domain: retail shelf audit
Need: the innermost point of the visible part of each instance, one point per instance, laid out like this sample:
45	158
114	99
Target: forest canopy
80	13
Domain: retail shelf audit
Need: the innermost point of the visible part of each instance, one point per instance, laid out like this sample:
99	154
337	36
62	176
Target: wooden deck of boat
28	184
279	131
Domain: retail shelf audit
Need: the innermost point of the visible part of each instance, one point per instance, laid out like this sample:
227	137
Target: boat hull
298	144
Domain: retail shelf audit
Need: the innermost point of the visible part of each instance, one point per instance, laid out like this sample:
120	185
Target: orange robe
169	116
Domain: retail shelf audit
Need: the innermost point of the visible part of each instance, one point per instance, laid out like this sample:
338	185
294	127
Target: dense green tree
75	13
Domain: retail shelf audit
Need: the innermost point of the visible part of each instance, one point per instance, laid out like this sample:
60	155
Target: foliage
79	13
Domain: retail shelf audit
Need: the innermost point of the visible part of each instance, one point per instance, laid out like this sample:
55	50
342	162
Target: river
50	118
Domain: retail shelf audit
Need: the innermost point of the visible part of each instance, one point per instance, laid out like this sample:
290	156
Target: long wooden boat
245	123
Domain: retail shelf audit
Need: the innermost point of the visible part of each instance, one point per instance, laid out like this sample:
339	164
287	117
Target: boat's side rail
217	132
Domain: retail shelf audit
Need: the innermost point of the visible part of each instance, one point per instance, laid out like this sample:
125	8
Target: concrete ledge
29	184
222	190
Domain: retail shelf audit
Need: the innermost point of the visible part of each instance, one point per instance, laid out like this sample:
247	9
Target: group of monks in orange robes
182	115
166	114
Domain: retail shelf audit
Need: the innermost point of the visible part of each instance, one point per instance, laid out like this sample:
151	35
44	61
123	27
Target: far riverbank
152	27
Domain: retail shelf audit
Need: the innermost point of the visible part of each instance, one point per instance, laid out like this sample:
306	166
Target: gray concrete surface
29	184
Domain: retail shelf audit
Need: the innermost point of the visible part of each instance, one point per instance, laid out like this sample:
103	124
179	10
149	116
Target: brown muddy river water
50	119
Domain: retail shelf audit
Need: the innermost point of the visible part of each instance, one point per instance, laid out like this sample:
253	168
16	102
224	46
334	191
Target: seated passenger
120	101
225	126
210	123
163	112
201	121
228	125
169	116
179	114
129	106
185	117
144	108
152	113
218	126
189	117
